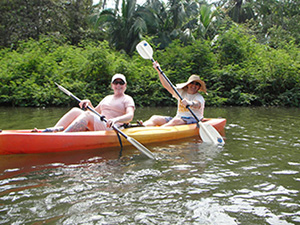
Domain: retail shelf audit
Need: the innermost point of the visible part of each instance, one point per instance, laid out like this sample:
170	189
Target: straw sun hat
190	80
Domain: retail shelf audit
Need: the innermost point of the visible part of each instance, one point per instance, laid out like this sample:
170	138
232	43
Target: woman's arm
163	80
194	104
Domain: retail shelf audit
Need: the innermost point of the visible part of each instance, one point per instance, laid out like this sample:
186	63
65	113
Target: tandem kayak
28	142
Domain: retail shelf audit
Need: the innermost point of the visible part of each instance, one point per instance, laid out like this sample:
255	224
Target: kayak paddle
134	142
207	132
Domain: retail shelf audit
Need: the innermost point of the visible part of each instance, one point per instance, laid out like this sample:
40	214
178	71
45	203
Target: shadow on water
13	165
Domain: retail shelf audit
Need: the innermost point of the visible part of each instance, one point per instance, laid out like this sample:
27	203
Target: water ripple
253	179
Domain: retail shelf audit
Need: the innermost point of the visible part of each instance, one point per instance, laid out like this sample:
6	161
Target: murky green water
253	179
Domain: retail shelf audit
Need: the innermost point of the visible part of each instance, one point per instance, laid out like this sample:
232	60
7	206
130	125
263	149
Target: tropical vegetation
247	51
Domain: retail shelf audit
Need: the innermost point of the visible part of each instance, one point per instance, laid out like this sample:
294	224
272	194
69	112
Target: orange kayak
25	141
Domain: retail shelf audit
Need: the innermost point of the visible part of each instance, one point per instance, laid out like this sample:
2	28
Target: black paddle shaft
167	79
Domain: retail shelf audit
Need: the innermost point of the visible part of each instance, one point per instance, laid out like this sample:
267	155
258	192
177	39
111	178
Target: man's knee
76	110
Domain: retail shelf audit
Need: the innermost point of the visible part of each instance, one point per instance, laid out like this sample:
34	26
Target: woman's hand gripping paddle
134	142
207	132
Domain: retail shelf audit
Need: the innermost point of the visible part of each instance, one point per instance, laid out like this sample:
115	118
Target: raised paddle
134	142
207	132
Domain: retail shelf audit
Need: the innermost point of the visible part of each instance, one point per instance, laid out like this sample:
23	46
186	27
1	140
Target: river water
253	179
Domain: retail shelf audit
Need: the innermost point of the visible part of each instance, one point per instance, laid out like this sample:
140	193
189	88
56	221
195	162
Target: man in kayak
191	96
117	109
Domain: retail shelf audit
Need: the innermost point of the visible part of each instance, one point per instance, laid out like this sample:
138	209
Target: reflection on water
253	179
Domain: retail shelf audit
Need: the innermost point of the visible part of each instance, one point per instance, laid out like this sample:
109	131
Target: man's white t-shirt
112	107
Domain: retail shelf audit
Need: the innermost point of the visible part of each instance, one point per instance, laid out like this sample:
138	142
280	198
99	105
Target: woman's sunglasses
196	83
118	82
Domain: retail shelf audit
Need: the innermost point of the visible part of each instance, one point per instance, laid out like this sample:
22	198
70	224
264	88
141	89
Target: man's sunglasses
118	82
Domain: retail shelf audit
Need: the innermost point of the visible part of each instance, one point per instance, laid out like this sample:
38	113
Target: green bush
236	69
256	74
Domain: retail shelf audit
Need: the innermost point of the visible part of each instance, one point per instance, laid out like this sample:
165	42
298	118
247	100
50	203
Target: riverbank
244	74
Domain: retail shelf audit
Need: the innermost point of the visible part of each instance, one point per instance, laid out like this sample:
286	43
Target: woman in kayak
117	109
191	96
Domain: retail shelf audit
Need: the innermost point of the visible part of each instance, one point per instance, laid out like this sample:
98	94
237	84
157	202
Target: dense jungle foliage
230	53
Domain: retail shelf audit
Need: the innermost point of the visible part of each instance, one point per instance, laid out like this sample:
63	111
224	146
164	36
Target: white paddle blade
63	89
210	135
141	147
145	50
